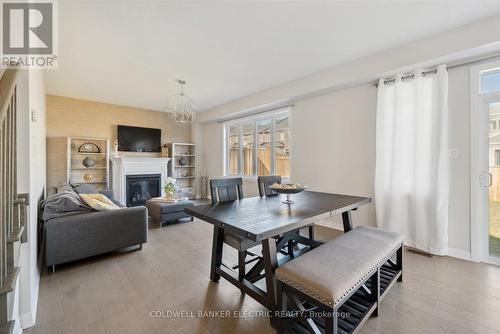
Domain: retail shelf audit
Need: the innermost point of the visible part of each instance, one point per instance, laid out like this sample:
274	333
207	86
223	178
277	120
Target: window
490	81
258	145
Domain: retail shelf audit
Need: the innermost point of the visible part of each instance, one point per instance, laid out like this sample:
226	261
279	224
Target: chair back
265	182
226	190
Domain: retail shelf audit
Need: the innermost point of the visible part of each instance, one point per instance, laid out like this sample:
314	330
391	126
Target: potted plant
169	187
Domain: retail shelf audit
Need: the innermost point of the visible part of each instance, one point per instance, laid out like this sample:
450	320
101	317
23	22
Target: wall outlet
453	153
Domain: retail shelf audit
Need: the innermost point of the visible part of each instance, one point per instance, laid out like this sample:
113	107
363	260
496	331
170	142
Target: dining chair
264	183
229	190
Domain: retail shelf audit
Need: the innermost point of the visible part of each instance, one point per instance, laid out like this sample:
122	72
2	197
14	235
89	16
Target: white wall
34	152
459	138
333	144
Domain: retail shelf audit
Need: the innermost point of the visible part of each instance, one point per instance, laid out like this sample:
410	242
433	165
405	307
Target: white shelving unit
77	173
183	167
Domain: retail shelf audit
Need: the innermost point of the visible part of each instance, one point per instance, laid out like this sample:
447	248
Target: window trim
286	111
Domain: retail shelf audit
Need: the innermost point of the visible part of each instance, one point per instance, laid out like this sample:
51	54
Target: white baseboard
27	320
452	252
459	254
17	328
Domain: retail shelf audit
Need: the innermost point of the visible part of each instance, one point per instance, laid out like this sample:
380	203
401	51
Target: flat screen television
135	139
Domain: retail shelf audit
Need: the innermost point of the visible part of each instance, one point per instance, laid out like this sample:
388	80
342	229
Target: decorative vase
183	161
116	154
204	187
169	195
88	162
164	151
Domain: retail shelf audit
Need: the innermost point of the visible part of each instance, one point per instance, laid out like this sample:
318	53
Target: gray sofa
73	231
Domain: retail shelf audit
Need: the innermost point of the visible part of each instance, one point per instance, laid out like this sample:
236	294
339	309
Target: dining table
263	220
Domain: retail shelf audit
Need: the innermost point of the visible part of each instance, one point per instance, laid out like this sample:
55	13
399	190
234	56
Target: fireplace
140	188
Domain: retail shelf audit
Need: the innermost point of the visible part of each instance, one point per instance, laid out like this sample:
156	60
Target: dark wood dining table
261	219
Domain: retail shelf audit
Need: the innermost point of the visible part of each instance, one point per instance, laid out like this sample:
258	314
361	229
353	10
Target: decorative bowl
88	162
288	189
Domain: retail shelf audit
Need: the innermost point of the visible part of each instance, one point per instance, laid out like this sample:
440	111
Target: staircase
13	206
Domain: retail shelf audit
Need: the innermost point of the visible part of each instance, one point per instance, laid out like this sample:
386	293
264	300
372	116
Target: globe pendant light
181	108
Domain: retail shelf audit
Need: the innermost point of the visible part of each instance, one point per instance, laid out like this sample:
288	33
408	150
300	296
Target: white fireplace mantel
123	166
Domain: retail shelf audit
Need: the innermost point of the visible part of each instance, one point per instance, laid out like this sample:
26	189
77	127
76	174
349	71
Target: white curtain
412	172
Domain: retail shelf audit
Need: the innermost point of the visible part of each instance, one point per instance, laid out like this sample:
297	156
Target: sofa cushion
331	271
85	189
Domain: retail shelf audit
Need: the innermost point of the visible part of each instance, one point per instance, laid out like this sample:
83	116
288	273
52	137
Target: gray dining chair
264	183
229	190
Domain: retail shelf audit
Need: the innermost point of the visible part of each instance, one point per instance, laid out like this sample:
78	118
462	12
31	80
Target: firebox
140	188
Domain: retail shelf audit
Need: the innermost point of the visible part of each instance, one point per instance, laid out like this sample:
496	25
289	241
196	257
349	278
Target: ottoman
164	212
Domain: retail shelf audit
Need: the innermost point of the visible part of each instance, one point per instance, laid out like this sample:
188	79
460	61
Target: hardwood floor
116	293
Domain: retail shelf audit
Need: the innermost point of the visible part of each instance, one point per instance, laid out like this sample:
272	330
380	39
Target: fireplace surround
134	169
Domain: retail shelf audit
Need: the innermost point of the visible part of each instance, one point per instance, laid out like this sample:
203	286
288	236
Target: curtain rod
410	76
463	63
255	113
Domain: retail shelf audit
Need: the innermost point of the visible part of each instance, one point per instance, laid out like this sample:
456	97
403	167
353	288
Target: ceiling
131	52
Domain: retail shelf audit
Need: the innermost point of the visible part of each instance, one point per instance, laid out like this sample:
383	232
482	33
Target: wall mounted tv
135	139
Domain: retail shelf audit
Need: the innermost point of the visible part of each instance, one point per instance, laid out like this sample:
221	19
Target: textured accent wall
67	117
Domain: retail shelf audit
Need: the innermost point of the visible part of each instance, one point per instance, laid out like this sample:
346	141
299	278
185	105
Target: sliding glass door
485	163
492	107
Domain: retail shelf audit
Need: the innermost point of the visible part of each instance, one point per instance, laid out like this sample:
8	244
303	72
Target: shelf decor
88	161
164	151
183	168
89	148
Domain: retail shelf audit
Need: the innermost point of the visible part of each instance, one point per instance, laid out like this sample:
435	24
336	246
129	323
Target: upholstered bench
164	212
335	287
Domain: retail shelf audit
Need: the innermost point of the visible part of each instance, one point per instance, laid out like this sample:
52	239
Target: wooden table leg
347	220
217	244
270	264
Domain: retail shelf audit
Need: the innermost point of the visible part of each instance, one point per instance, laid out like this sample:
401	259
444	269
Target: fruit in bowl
288	188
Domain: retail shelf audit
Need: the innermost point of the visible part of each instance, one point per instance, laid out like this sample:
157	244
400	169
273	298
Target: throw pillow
99	202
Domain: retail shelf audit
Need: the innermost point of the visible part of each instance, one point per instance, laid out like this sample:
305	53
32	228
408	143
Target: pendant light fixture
181	108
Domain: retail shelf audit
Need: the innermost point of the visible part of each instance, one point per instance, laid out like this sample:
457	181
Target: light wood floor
115	293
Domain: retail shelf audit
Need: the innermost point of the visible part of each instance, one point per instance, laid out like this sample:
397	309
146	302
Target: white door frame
479	177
